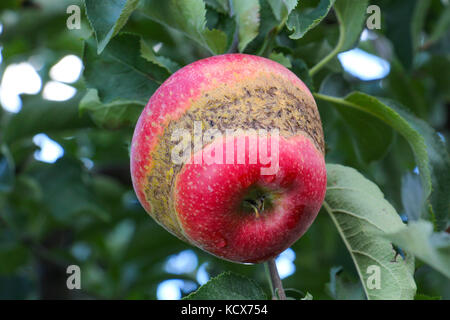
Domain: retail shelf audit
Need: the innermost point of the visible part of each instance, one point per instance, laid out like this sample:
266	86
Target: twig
275	281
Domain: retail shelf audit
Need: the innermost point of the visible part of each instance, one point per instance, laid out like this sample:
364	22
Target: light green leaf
108	17
375	107
281	59
300	22
282	8
7	171
361	214
120	72
247	18
113	115
419	239
188	17
229	286
351	15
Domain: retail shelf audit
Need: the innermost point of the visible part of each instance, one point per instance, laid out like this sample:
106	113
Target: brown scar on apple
265	102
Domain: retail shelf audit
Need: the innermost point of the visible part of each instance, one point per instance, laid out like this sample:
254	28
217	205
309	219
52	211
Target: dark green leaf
341	287
108	17
228	286
218	5
420	296
442	26
301	21
375	107
439	164
7	174
187	16
300	68
149	54
39	115
13	256
113	115
65	190
120	72
399	29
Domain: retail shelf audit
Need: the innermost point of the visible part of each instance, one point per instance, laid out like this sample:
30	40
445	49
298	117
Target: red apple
245	196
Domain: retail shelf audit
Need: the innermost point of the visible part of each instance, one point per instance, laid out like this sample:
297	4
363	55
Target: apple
252	175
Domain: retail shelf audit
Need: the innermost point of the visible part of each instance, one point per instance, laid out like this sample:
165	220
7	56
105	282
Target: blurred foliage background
65	190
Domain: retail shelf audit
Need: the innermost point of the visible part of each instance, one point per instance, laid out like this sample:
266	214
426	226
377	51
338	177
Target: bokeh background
65	190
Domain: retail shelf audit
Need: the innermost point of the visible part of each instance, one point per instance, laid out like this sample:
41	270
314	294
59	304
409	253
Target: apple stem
275	282
256	210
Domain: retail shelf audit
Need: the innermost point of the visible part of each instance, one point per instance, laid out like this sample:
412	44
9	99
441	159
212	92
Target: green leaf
281	59
375	107
108	17
282	8
218	5
308	296
439	164
7	170
412	196
399	29
113	115
361	214
351	16
65	191
420	296
13	256
149	54
247	18
300	68
371	137
119	238
187	16
39	115
441	27
228	286
300	22
419	239
418	21
120	72
341	287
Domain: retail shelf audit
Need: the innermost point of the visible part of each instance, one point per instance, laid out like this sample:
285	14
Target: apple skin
202	203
